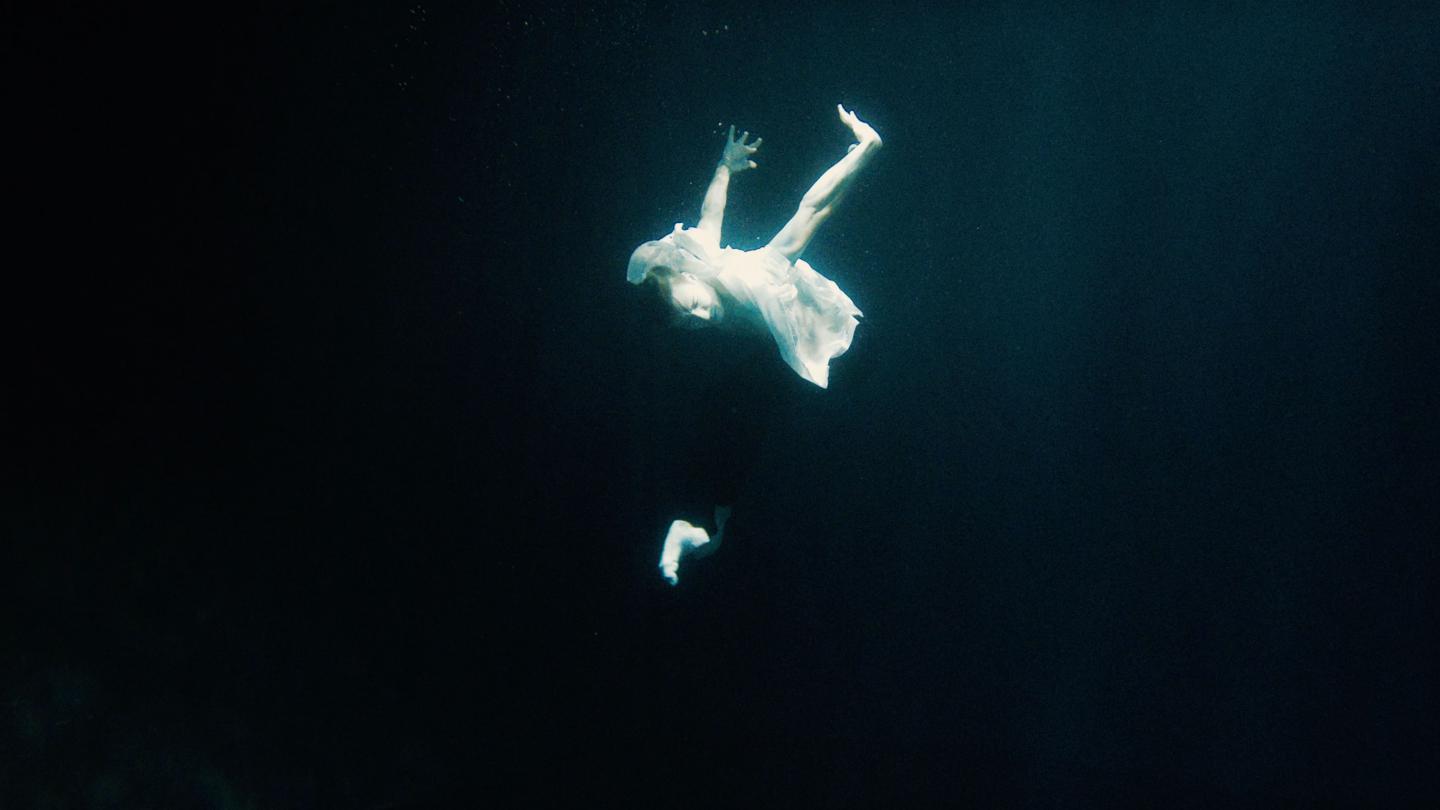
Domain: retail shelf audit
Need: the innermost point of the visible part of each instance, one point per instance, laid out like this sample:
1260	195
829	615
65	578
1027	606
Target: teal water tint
1122	496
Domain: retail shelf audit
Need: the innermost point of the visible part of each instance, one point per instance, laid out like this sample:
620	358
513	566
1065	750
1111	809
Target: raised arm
735	159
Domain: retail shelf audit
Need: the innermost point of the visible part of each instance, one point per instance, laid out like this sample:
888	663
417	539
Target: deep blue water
341	451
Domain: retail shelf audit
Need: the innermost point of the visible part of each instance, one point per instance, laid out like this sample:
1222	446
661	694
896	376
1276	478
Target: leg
682	540
823	197
687	540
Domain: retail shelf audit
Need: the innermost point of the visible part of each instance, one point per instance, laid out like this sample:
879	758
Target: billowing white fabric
811	319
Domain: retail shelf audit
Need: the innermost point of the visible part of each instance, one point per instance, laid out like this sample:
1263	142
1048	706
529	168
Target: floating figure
771	289
811	319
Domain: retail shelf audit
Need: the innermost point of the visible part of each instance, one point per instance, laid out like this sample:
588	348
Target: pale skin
822	199
698	299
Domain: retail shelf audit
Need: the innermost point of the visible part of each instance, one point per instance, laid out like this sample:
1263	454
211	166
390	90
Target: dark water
339	451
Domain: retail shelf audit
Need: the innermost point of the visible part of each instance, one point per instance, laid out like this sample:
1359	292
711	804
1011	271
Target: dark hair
654	299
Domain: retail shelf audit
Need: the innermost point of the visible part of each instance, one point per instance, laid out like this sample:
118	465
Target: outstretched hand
738	152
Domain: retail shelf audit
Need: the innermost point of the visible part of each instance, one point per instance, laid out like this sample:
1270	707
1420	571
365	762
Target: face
692	297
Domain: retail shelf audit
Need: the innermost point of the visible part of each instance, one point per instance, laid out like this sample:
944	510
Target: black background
338	452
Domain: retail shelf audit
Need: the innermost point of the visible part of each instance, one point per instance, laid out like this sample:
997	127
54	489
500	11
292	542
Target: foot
682	540
864	133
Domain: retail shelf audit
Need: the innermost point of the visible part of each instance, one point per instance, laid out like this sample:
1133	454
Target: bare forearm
712	211
735	158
